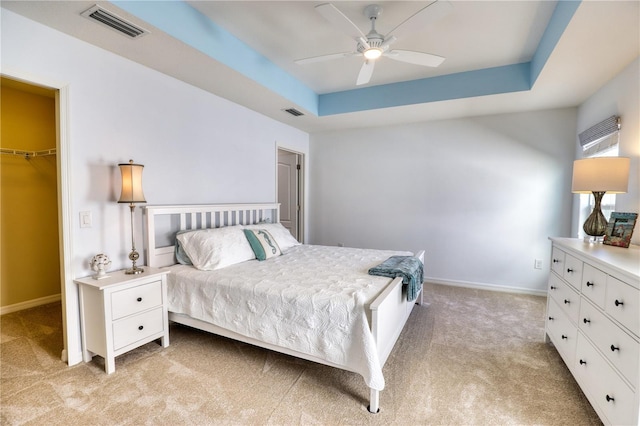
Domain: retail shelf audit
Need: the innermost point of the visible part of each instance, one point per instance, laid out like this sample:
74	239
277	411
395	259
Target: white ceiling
601	39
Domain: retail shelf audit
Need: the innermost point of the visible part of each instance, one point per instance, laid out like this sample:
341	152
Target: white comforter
311	299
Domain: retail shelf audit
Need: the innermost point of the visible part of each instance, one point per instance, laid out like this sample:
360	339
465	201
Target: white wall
480	195
196	147
620	96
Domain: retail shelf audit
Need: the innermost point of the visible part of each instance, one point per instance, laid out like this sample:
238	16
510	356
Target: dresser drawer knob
141	327
610	398
139	299
569	270
553	287
589	284
566	301
586	321
618	303
614	348
550	318
564	337
556	261
583	362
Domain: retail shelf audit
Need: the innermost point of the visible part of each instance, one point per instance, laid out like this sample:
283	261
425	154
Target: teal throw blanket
410	268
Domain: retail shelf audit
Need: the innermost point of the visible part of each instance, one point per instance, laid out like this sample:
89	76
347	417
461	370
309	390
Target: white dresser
122	312
593	319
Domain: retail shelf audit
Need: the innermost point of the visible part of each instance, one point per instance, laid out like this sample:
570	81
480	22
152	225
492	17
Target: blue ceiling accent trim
180	20
185	23
562	14
489	81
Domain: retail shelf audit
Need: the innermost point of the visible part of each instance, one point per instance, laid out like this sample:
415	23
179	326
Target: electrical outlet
537	264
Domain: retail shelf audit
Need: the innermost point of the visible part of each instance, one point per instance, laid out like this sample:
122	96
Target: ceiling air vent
293	112
113	21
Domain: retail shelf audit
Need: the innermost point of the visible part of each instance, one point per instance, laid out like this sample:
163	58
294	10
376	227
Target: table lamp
132	193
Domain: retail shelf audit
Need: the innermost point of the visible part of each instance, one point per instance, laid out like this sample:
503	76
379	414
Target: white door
289	169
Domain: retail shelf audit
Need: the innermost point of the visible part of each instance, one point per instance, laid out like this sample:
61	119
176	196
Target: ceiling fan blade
323	58
340	20
425	16
417	58
365	72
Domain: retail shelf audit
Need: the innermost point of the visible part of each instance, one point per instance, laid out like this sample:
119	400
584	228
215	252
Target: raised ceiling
501	56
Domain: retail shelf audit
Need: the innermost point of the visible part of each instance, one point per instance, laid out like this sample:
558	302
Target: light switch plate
85	219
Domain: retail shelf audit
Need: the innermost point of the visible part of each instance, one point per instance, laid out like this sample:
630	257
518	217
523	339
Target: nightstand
121	312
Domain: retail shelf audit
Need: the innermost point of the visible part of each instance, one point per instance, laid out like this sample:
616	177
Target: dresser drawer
617	346
565	296
594	283
603	386
136	299
572	271
557	260
622	302
563	332
134	328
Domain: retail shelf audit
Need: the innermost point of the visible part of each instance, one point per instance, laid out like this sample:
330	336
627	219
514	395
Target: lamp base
596	223
134	270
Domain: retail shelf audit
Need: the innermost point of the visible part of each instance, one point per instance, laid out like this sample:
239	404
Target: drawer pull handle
141	327
610	398
586	321
556	261
139	299
564	337
589	284
566	301
618	303
583	362
569	270
614	348
553	287
550	318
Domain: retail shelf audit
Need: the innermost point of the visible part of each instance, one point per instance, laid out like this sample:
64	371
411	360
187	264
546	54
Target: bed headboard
162	223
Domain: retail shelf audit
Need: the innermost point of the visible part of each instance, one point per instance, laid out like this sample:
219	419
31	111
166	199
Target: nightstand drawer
132	329
136	299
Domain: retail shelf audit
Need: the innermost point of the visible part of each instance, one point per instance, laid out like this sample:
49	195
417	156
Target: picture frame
620	229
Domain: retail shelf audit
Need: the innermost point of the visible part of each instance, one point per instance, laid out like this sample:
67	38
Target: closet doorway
290	187
35	199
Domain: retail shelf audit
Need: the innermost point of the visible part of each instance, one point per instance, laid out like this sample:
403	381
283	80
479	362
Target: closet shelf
28	154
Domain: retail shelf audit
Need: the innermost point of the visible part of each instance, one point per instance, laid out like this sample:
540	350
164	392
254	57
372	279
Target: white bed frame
388	313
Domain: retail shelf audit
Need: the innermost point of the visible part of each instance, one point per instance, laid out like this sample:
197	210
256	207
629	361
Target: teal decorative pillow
262	243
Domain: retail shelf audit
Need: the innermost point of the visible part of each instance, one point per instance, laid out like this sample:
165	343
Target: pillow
263	244
281	234
181	255
210	249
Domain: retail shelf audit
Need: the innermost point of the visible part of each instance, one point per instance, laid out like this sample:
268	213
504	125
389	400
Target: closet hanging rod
28	154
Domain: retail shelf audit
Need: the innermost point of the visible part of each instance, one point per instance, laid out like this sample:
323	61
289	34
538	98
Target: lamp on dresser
598	176
132	193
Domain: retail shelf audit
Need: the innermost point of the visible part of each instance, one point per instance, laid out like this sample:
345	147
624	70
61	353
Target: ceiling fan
374	45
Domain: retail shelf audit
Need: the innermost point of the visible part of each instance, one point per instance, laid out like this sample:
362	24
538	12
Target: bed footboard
389	313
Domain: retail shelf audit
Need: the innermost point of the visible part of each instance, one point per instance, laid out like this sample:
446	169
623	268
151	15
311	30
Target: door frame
71	352
301	188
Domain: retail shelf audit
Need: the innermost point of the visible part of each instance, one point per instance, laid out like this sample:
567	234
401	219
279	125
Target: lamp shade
602	174
131	183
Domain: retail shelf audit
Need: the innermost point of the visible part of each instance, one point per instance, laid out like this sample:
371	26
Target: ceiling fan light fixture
372	53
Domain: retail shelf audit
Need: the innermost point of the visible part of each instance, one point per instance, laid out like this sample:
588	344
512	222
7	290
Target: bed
356	319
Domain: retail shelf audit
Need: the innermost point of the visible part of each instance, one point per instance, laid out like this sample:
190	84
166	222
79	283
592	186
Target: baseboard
30	304
484	286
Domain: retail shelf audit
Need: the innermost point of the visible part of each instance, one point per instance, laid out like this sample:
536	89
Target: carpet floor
469	357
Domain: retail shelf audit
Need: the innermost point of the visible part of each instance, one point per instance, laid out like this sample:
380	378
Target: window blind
601	136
